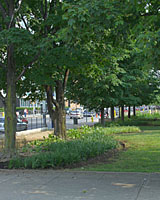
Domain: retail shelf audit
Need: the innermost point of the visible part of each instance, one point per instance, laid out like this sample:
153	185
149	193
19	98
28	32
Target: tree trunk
122	113
69	103
119	112
60	129
60	126
112	113
134	110
10	104
129	111
51	111
58	116
102	117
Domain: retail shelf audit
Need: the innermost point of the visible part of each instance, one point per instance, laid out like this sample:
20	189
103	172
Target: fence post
31	122
36	122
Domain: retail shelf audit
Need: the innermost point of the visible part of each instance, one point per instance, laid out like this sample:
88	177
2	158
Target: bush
142	119
54	152
82	144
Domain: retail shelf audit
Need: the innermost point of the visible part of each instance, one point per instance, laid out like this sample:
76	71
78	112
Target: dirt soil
29	137
21	141
34	136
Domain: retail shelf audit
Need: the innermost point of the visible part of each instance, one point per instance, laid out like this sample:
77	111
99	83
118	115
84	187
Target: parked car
76	114
23	119
21	126
88	114
68	110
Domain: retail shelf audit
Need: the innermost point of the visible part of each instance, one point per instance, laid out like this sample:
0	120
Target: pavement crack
141	187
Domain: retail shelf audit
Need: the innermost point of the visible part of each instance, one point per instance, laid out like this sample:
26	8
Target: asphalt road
37	121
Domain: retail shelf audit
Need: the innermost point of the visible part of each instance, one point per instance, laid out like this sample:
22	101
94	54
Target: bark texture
134	110
10	103
122	113
112	113
119	112
57	114
102	117
60	128
129	111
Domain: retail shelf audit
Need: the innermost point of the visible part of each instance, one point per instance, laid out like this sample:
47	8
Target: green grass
142	153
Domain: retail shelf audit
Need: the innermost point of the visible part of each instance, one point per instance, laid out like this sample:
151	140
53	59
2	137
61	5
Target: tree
14	44
132	75
67	31
60	53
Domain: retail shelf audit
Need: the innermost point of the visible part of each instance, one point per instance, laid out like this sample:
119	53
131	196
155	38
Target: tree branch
65	79
45	12
25	23
50	93
26	67
42	10
19	2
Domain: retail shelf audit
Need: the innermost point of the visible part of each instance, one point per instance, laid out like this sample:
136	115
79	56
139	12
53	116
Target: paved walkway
63	185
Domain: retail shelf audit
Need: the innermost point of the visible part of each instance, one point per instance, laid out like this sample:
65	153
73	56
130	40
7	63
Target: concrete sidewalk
63	185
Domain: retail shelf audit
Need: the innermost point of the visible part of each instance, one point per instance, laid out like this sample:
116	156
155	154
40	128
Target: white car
76	114
21	126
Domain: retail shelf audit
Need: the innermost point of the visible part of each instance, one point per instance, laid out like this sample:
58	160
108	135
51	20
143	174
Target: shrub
54	152
82	144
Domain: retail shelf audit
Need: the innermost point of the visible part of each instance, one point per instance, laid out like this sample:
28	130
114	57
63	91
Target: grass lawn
142	153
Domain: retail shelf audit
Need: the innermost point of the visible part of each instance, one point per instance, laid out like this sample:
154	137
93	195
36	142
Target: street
37	121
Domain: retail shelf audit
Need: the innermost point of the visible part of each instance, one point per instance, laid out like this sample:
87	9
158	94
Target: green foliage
1	109
148	116
114	129
81	145
22	108
142	119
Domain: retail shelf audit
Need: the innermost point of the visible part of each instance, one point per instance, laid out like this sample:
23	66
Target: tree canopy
109	50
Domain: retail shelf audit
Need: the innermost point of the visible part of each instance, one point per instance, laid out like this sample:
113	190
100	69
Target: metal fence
39	121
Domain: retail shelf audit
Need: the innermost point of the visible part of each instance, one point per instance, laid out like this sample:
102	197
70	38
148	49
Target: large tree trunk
10	104
102	117
129	111
112	113
60	126
134	110
51	111
119	112
60	114
122	113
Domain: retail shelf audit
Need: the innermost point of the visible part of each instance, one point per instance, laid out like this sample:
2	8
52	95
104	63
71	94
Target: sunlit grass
141	155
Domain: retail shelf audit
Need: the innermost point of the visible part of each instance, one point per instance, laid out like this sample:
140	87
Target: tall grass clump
56	153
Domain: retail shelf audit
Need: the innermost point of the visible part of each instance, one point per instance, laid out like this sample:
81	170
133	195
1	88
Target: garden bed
83	146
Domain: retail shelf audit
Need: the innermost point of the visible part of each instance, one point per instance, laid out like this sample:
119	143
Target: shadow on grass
149	128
